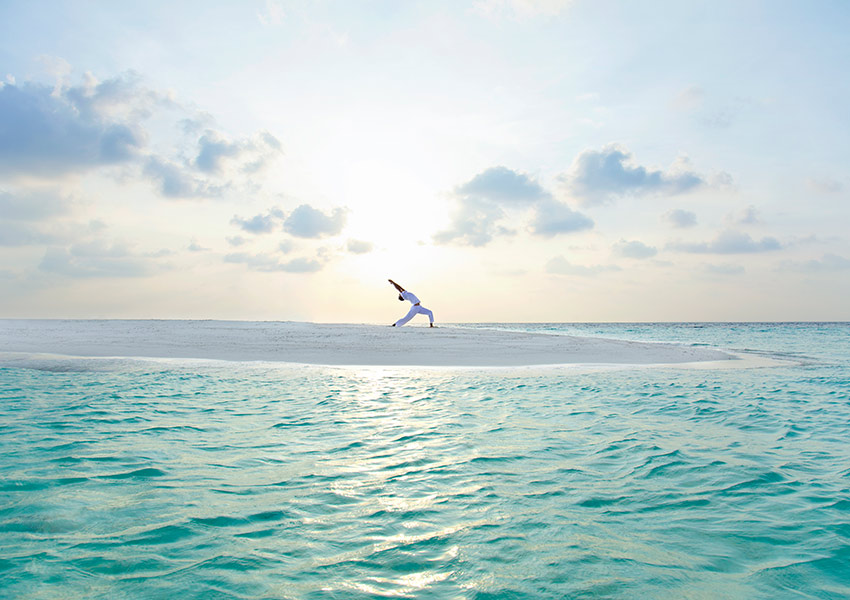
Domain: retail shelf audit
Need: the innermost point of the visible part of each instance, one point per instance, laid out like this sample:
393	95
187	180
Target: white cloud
259	223
828	263
520	9
552	217
825	185
722	269
213	150
634	249
474	223
49	135
216	152
680	218
97	259
503	186
746	216
691	98
273	14
25	233
561	266
50	132
39	217
175	181
308	222
599	176
270	263
359	246
34	205
482	202
728	242
218	165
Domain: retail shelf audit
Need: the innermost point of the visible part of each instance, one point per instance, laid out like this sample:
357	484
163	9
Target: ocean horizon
141	478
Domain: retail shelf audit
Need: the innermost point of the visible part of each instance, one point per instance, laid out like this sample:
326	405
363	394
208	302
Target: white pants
416	309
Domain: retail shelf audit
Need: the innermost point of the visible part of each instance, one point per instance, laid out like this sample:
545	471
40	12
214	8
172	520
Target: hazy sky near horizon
506	160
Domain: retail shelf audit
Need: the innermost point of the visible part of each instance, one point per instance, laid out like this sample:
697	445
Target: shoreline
336	344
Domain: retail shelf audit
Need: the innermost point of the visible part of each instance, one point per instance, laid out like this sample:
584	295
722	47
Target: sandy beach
333	344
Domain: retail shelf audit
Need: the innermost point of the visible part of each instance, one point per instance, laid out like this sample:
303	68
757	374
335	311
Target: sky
505	160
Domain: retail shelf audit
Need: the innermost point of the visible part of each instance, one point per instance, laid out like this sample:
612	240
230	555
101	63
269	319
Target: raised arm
397	286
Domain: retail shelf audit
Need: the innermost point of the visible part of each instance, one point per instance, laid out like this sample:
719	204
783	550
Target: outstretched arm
397	286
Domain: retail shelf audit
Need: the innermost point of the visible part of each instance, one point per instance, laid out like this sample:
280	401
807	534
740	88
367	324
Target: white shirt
410	297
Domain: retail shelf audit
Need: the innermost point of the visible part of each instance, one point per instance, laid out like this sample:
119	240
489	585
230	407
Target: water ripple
270	481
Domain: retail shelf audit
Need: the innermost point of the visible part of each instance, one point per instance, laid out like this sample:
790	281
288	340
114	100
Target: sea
127	478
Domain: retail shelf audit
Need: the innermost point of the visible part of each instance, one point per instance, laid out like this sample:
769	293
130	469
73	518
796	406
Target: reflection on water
156	480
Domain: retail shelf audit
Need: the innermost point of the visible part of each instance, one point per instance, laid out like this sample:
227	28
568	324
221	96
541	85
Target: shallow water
194	479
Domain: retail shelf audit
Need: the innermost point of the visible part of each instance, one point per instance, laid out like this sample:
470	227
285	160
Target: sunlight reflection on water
256	480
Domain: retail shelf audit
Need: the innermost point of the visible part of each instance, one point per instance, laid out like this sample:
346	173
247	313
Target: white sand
322	344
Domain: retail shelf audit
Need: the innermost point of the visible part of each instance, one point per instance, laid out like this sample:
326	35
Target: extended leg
410	314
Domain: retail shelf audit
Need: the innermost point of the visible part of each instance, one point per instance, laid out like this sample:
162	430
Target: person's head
400	299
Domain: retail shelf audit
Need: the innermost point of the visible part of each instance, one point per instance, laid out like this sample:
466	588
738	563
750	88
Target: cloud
55	66
259	223
709	112
40	217
215	152
553	217
825	185
721	180
680	218
827	264
729	242
47	132
175	181
561	266
690	98
272	15
308	222
34	205
746	216
269	263
121	98
634	249
211	173
96	259
503	186
213	149
520	9
723	269
359	246
597	177
482	202
194	246
473	223
302	265
248	155
24	233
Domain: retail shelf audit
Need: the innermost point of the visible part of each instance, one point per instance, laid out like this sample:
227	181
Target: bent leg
427	313
410	314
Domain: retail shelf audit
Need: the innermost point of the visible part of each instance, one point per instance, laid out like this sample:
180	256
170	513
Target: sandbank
334	344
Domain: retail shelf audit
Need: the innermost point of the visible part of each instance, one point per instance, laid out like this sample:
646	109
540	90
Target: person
416	309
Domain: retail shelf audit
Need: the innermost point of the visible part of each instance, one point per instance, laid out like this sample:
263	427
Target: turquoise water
192	479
